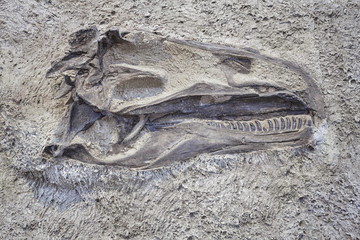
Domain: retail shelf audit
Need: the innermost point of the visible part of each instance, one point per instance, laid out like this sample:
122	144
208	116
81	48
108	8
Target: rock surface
304	193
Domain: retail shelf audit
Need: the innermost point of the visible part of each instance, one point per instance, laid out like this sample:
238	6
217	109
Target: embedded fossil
172	99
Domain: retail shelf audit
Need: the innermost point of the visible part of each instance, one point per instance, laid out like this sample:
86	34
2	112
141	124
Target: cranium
171	100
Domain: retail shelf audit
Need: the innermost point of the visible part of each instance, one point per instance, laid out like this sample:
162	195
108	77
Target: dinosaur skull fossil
171	100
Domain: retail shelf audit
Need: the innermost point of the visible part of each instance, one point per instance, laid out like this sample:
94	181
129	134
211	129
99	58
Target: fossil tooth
282	123
246	126
300	123
277	126
271	126
258	125
294	122
288	123
240	126
252	126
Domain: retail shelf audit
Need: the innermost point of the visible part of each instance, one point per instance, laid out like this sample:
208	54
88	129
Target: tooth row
293	123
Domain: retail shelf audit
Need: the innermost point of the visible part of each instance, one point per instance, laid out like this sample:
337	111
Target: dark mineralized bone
258	125
277	126
271	126
288	123
294	122
282	123
174	99
300	123
246	126
240	126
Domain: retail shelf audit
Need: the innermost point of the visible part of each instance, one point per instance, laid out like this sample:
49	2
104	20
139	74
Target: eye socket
240	64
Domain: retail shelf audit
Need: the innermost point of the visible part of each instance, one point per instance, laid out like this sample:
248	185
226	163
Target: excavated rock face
153	113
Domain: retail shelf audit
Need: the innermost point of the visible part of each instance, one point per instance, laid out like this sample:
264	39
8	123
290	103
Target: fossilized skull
143	101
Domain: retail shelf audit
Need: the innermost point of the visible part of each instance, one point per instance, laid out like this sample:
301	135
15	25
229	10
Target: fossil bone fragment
172	100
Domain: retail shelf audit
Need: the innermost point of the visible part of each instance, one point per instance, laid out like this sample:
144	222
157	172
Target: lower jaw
166	144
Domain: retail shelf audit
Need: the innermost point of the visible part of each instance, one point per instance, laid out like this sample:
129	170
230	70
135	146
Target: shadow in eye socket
140	87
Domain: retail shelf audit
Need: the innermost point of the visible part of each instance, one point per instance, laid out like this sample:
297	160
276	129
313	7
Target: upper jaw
230	104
